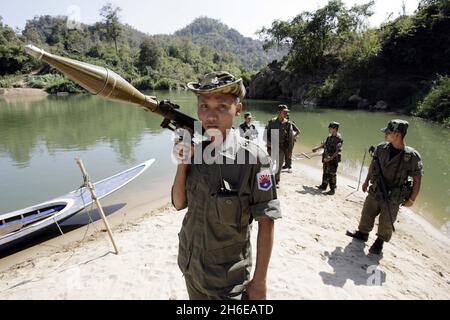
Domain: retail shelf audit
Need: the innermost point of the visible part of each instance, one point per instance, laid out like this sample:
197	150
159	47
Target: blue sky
153	16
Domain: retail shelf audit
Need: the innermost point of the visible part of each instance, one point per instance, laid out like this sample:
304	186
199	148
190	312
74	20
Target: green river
40	139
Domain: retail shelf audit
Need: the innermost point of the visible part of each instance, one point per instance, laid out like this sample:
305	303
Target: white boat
23	223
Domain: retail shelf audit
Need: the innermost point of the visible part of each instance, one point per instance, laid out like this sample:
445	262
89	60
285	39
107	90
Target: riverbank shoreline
19	93
312	257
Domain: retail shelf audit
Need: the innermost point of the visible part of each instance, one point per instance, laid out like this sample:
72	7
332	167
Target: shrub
143	83
436	104
54	83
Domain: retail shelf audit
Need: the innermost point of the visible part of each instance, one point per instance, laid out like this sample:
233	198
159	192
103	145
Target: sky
168	16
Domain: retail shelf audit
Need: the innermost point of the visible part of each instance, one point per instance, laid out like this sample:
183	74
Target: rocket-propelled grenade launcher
105	83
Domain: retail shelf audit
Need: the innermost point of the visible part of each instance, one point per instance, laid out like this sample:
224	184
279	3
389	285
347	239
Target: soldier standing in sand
286	135
223	197
392	165
331	157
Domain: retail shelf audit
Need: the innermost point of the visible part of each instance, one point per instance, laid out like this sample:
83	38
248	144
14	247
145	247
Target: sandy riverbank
312	257
23	95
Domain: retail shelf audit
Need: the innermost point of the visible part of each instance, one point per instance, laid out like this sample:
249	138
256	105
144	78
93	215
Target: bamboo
90	186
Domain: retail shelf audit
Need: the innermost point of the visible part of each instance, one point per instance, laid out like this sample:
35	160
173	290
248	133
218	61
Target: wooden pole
304	154
360	172
90	186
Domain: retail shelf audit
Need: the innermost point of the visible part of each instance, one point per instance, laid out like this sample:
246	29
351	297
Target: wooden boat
18	224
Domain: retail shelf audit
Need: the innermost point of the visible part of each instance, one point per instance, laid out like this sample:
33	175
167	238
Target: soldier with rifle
332	147
393	166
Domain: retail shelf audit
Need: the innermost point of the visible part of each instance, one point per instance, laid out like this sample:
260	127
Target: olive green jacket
222	200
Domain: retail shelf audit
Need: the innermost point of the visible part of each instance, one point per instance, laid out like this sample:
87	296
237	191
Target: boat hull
22	224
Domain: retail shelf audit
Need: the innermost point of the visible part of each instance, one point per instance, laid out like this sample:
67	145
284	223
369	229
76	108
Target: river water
40	139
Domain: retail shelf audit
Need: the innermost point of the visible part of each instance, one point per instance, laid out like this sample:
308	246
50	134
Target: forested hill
337	60
149	62
247	51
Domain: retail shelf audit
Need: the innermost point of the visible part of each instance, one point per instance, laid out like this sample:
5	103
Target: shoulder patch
264	179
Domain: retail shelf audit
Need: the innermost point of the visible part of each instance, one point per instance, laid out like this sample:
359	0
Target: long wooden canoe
18	224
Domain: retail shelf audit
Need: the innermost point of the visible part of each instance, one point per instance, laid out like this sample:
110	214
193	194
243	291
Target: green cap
334	124
218	82
396	125
283	107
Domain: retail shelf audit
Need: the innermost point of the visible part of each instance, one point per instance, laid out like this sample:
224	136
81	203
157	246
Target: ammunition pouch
394	195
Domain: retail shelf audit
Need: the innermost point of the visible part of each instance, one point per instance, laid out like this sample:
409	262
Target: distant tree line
405	62
149	62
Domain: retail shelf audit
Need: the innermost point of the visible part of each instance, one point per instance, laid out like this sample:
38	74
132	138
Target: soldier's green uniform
396	170
285	143
291	136
222	199
390	185
331	145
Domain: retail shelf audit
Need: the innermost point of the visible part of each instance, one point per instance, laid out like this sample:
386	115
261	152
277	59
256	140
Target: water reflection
40	138
71	123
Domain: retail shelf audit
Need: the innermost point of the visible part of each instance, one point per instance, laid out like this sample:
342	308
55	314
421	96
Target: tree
314	36
31	34
111	19
149	55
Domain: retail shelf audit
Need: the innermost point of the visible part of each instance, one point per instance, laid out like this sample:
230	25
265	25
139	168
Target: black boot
358	235
377	247
322	187
331	192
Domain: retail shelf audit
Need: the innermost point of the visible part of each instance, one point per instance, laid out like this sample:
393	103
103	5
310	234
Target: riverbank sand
312	258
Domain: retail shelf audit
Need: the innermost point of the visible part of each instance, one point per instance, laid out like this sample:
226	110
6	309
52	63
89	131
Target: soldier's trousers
371	209
288	158
196	292
329	174
281	156
279	163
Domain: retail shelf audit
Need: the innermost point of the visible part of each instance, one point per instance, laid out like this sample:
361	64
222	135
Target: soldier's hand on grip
183	150
365	186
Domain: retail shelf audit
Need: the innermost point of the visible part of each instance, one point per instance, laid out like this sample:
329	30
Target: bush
436	104
165	84
143	83
54	83
43	81
64	86
10	81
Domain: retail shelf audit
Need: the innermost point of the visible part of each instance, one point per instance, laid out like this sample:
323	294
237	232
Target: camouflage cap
334	124
396	125
283	107
218	82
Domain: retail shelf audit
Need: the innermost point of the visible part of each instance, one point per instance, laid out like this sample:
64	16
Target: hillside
337	61
246	51
149	62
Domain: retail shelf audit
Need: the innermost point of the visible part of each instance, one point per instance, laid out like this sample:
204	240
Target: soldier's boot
332	186
324	184
358	235
377	247
333	181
